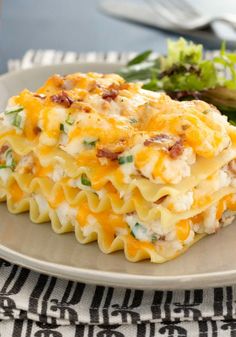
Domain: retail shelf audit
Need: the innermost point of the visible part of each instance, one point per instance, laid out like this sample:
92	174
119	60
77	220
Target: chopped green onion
153	238
13	110
133	120
3	166
138	229
84	180
69	120
90	143
136	226
10	162
17	120
125	160
62	127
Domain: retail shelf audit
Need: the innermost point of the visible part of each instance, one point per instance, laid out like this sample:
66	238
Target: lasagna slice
131	169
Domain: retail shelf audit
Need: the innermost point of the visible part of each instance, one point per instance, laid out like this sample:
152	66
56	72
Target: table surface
75	25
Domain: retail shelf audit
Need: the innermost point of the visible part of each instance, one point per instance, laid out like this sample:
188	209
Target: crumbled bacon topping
177	149
105	153
158	139
110	95
167	143
37	130
232	166
62	99
4	148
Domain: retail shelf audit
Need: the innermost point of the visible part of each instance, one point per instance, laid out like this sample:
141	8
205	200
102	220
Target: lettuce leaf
184	73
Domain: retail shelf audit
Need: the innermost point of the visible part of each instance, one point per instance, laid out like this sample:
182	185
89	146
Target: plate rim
119	279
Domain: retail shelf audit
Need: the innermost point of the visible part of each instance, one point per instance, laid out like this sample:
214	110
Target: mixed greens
185	73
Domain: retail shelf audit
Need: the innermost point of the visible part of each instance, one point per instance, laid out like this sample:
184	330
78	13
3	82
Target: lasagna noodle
23	186
149	190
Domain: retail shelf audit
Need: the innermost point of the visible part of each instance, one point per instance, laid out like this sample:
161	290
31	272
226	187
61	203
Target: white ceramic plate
211	262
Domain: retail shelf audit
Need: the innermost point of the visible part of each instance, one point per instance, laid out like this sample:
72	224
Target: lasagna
129	168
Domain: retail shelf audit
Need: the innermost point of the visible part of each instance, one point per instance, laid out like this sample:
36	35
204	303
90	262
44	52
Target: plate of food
109	175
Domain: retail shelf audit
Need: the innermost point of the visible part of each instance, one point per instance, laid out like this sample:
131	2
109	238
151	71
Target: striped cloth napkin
46	57
32	304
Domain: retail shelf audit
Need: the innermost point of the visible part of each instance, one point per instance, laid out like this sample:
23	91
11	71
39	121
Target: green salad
184	73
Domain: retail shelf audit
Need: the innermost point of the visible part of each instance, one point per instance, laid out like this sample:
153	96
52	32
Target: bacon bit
4	148
62	99
42	96
158	139
159	201
110	95
177	149
37	130
232	166
105	153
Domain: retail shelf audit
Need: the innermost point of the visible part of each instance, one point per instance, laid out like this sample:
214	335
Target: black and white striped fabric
46	57
32	304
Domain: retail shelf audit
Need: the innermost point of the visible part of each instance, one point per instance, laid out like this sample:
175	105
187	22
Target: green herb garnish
62	127
84	180
135	228
17	120
10	162
16	117
13	110
138	231
125	160
153	238
133	120
90	143
69	120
